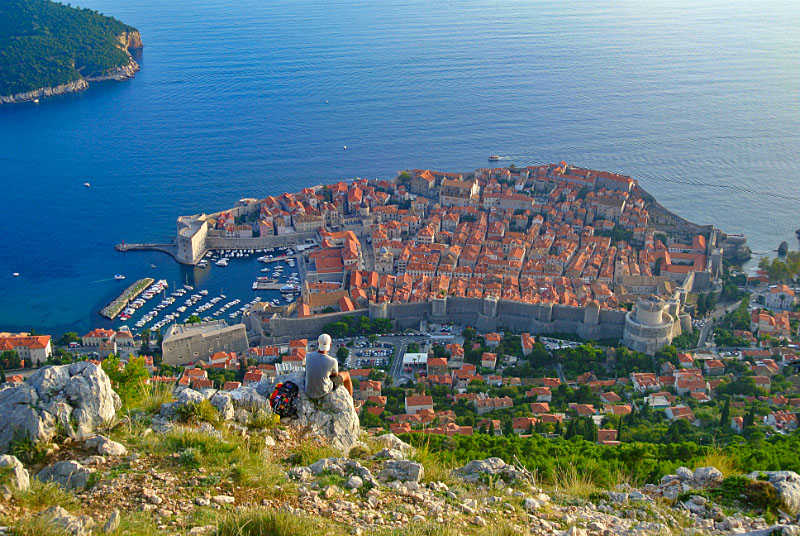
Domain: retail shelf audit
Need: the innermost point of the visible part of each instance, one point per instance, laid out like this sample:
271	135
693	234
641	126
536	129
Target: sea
698	101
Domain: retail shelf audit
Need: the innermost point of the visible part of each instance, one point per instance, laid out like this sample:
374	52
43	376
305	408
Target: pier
169	249
111	310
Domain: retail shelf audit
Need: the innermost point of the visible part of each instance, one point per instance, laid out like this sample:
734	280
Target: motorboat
494	158
119	277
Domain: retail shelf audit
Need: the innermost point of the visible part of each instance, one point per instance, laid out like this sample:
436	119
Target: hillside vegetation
46	44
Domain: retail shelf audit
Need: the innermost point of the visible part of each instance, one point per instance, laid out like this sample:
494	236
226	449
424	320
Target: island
47	49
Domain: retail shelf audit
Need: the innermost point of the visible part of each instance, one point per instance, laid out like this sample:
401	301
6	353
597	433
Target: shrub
262	418
201	411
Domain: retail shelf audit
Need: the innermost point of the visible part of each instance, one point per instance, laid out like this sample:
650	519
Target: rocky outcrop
73	399
787	484
478	470
20	479
65	522
333	416
121	73
130	40
41	93
68	474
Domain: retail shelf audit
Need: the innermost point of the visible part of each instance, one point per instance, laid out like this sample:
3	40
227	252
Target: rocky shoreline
127	40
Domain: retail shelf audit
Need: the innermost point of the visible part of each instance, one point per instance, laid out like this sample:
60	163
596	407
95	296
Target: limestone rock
684	473
354	482
475	470
224	404
707	476
68	474
391	454
787	483
63	520
223	499
403	470
183	397
19	475
333	416
78	393
391	441
113	522
105	446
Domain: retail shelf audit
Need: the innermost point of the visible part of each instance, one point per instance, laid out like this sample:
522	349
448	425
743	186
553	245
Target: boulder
113	522
475	470
182	398
68	474
66	522
684	473
76	397
707	476
787	483
19	475
403	470
248	399
224	404
333	416
105	446
391	454
391	441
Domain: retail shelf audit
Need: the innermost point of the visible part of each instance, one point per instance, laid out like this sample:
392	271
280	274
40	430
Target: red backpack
283	398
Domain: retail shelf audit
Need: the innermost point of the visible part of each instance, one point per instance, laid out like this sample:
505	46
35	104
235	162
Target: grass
44	495
309	452
570	481
138	523
262	419
151	397
201	411
437	468
263	522
37	526
719	459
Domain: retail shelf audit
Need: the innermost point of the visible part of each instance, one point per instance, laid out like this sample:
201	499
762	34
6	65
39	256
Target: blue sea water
699	101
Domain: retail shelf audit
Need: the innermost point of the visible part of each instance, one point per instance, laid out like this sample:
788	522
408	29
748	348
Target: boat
345	147
86	184
15	274
36	101
119	277
152	266
494	158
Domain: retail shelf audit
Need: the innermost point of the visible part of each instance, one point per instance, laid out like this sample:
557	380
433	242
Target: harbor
217	288
116	307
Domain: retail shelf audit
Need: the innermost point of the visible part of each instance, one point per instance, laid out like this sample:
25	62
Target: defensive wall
487	314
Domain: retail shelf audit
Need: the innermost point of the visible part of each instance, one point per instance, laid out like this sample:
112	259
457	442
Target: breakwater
111	310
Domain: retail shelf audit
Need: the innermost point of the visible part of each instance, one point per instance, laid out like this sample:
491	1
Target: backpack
283	399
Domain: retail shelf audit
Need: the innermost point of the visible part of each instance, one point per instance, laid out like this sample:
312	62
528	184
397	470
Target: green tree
725	415
342	354
67	338
2	375
9	359
194	319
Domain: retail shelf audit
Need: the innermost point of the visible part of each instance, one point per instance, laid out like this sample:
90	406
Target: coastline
127	40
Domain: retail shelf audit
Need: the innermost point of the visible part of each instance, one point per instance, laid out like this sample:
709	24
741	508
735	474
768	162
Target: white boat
86	184
15	274
36	101
119	277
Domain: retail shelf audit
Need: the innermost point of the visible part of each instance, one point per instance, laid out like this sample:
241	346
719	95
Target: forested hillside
46	44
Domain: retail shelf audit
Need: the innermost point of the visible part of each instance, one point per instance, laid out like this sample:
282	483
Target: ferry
119	277
494	158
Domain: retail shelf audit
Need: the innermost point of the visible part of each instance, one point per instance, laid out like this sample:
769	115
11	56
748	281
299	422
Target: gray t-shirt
319	368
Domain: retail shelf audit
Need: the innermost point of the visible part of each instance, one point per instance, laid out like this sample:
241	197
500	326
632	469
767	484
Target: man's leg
347	382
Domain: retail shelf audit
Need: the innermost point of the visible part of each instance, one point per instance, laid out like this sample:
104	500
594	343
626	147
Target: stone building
190	343
652	324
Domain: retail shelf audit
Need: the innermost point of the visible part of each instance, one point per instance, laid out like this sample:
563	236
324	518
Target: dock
169	249
114	308
263	285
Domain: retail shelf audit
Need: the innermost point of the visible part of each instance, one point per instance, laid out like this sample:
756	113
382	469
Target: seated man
322	371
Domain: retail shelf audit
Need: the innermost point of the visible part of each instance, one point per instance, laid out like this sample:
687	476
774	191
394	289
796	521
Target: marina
278	284
115	307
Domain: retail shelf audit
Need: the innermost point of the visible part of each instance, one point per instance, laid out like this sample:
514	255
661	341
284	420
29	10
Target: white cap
324	342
